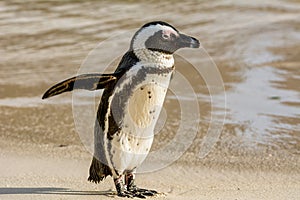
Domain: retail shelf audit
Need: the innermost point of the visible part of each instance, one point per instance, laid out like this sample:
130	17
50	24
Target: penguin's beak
188	41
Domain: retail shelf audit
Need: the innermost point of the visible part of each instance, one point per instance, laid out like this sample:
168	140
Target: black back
128	60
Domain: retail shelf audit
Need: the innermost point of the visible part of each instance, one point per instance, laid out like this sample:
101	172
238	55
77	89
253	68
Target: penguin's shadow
52	191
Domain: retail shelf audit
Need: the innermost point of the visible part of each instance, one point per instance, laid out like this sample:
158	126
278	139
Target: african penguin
130	105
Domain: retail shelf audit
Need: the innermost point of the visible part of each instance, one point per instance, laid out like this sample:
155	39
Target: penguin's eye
165	36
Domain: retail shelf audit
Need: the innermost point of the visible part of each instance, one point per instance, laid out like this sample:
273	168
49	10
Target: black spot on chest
119	99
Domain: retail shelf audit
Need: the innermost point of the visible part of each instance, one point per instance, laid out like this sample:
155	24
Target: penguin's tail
98	171
85	81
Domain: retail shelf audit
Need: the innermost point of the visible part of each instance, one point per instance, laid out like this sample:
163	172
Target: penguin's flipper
84	81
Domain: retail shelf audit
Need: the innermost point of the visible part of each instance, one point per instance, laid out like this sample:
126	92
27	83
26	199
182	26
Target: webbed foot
142	192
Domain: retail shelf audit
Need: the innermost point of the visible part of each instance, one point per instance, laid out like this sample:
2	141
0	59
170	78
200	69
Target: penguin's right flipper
85	81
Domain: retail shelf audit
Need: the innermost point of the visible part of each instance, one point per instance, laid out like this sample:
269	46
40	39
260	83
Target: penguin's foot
136	191
142	192
132	194
125	193
121	190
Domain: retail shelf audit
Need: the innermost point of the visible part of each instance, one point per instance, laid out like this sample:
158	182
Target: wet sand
256	51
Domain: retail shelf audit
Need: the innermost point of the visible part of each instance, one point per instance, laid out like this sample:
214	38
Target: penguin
130	104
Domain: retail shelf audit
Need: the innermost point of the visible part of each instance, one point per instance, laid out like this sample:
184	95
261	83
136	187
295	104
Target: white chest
144	105
141	111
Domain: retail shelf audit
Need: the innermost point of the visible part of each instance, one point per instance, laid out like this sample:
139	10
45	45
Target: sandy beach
45	152
38	178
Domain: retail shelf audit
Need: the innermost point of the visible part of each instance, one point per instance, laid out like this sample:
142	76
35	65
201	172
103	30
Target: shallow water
254	44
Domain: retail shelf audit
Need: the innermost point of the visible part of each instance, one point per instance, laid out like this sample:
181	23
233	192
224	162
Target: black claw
142	193
125	194
148	193
139	195
141	190
134	190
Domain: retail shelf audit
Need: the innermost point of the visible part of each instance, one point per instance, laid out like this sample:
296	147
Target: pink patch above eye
167	32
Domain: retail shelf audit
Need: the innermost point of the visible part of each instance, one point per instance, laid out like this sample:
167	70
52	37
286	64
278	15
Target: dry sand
30	177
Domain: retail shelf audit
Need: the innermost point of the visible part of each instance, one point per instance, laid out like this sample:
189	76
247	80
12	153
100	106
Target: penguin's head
161	37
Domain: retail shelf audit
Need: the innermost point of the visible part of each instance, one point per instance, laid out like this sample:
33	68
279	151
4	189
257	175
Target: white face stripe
145	33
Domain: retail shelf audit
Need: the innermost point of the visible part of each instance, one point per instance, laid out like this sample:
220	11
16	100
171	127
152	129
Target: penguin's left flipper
85	81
